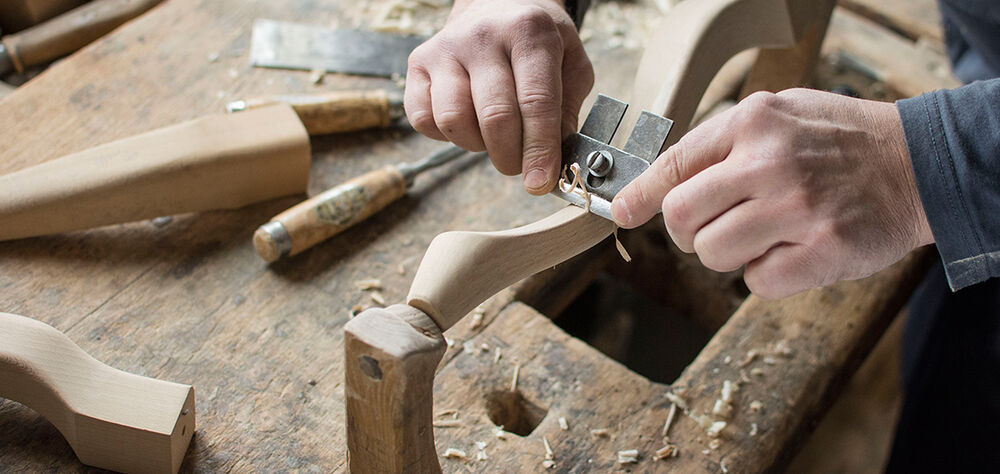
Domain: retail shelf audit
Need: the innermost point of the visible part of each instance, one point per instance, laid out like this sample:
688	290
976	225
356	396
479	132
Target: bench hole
370	367
515	413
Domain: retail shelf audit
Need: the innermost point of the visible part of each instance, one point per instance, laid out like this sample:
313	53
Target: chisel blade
288	45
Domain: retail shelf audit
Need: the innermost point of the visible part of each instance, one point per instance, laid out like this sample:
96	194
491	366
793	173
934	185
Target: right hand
507	76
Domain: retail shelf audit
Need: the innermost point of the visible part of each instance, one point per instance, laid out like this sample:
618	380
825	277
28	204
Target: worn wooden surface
186	299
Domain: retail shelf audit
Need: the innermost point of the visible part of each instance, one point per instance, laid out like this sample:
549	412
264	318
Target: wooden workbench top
186	299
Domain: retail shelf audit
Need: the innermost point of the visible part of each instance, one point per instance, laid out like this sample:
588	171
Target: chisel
67	32
335	112
338	208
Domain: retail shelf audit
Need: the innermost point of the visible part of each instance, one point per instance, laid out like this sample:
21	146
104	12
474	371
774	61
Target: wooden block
112	419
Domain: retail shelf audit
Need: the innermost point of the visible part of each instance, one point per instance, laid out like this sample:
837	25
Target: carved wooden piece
112	419
216	162
71	31
391	355
462	269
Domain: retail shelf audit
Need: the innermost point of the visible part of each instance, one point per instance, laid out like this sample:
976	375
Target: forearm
953	138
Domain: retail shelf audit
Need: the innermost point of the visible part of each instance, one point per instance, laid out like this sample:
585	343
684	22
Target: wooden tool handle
462	269
390	358
71	30
217	162
112	419
336	112
329	213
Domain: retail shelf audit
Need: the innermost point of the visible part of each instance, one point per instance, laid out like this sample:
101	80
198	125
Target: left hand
804	188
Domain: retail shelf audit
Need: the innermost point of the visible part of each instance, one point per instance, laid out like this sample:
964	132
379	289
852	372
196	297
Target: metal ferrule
279	234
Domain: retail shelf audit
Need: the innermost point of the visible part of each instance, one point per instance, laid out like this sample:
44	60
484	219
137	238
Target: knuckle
422	120
676	212
494	116
537	154
539	102
450	121
481	35
533	21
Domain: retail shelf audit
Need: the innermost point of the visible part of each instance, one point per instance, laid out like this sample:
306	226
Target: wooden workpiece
187	299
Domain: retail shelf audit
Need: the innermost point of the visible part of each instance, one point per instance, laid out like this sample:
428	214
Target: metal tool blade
648	136
288	45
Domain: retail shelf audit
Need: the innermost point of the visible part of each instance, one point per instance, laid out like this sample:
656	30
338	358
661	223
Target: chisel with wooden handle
67	32
335	112
336	209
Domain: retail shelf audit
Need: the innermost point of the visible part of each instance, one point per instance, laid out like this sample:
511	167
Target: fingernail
536	179
619	211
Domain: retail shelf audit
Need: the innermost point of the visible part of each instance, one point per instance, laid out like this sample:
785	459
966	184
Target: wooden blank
112	419
216	162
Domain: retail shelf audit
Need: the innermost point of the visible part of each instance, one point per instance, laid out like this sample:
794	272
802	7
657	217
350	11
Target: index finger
707	144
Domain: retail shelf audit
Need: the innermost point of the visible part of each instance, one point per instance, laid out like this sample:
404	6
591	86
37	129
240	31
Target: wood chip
727	390
378	298
753	429
670	419
727	360
447	423
476	322
496	356
722	466
751	355
722	409
513	380
452	453
756	406
548	449
757	371
316	76
716	429
548	464
677	400
781	348
600	433
714	444
563	424
628	456
368	284
401	269
501	434
668	451
446	413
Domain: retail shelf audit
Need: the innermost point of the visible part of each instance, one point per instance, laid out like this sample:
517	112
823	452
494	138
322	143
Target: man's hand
803	187
505	76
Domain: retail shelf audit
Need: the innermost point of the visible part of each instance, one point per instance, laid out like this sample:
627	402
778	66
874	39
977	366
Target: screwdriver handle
334	112
328	213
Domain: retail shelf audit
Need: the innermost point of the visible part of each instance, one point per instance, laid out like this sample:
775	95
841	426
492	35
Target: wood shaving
751	355
781	348
668	451
722	466
513	381
756	406
716	429
563	424
702	420
722	409
628	456
443	413
600	433
476	322
496	356
484	347
677	400
727	360
770	360
500	433
548	449
481	451
548	464
621	248
316	76
714	444
447	423
401	269
368	284
670	419
757	371
753	429
727	390
576	186
452	453
377	298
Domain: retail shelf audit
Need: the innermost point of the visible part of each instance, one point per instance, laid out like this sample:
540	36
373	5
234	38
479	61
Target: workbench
186	299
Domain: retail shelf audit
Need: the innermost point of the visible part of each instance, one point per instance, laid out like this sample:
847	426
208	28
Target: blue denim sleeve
953	137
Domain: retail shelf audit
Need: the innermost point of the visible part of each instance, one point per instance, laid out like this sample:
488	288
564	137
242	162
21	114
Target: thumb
707	144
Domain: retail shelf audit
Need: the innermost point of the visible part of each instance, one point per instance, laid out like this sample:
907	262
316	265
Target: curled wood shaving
628	456
452	453
668	451
621	248
576	186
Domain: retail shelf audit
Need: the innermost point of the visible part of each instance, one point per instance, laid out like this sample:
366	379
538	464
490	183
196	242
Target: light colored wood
460	270
19	14
695	39
335	112
332	211
906	67
916	19
216	162
112	419
390	358
71	30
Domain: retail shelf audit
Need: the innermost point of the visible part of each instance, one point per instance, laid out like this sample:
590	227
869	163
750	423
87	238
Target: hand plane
601	169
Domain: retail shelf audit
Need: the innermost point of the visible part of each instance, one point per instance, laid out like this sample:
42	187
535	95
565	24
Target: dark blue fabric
954	143
970	30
